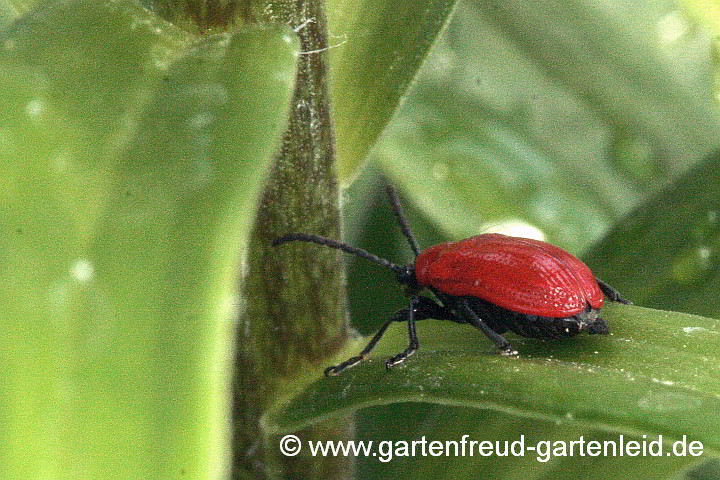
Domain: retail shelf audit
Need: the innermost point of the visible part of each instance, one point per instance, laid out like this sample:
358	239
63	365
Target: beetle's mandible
493	282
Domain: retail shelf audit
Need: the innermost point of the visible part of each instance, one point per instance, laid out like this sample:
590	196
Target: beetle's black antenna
402	219
304	237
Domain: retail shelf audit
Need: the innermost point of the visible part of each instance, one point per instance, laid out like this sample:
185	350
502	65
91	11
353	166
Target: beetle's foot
508	350
339	368
399	358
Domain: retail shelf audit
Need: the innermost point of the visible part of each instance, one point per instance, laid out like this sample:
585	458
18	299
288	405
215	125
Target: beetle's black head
407	278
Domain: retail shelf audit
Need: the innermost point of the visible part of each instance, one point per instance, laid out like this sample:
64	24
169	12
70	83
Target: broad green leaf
665	254
7	14
132	156
411	421
21	6
10	10
515	119
377	47
707	12
661	378
707	470
80	94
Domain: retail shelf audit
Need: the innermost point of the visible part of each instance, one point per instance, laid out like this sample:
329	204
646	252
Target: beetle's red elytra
491	281
519	274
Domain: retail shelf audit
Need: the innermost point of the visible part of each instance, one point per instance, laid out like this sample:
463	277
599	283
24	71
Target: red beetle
493	282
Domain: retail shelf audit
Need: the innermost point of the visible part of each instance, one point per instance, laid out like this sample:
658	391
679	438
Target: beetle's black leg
611	293
599	326
424	308
413	346
402	219
473	319
352	361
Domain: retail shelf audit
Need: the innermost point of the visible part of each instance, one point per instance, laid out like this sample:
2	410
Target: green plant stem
295	313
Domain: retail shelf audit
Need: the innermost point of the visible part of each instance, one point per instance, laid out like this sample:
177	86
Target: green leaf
132	155
707	470
377	47
515	121
661	378
411	421
707	12
7	13
674	240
